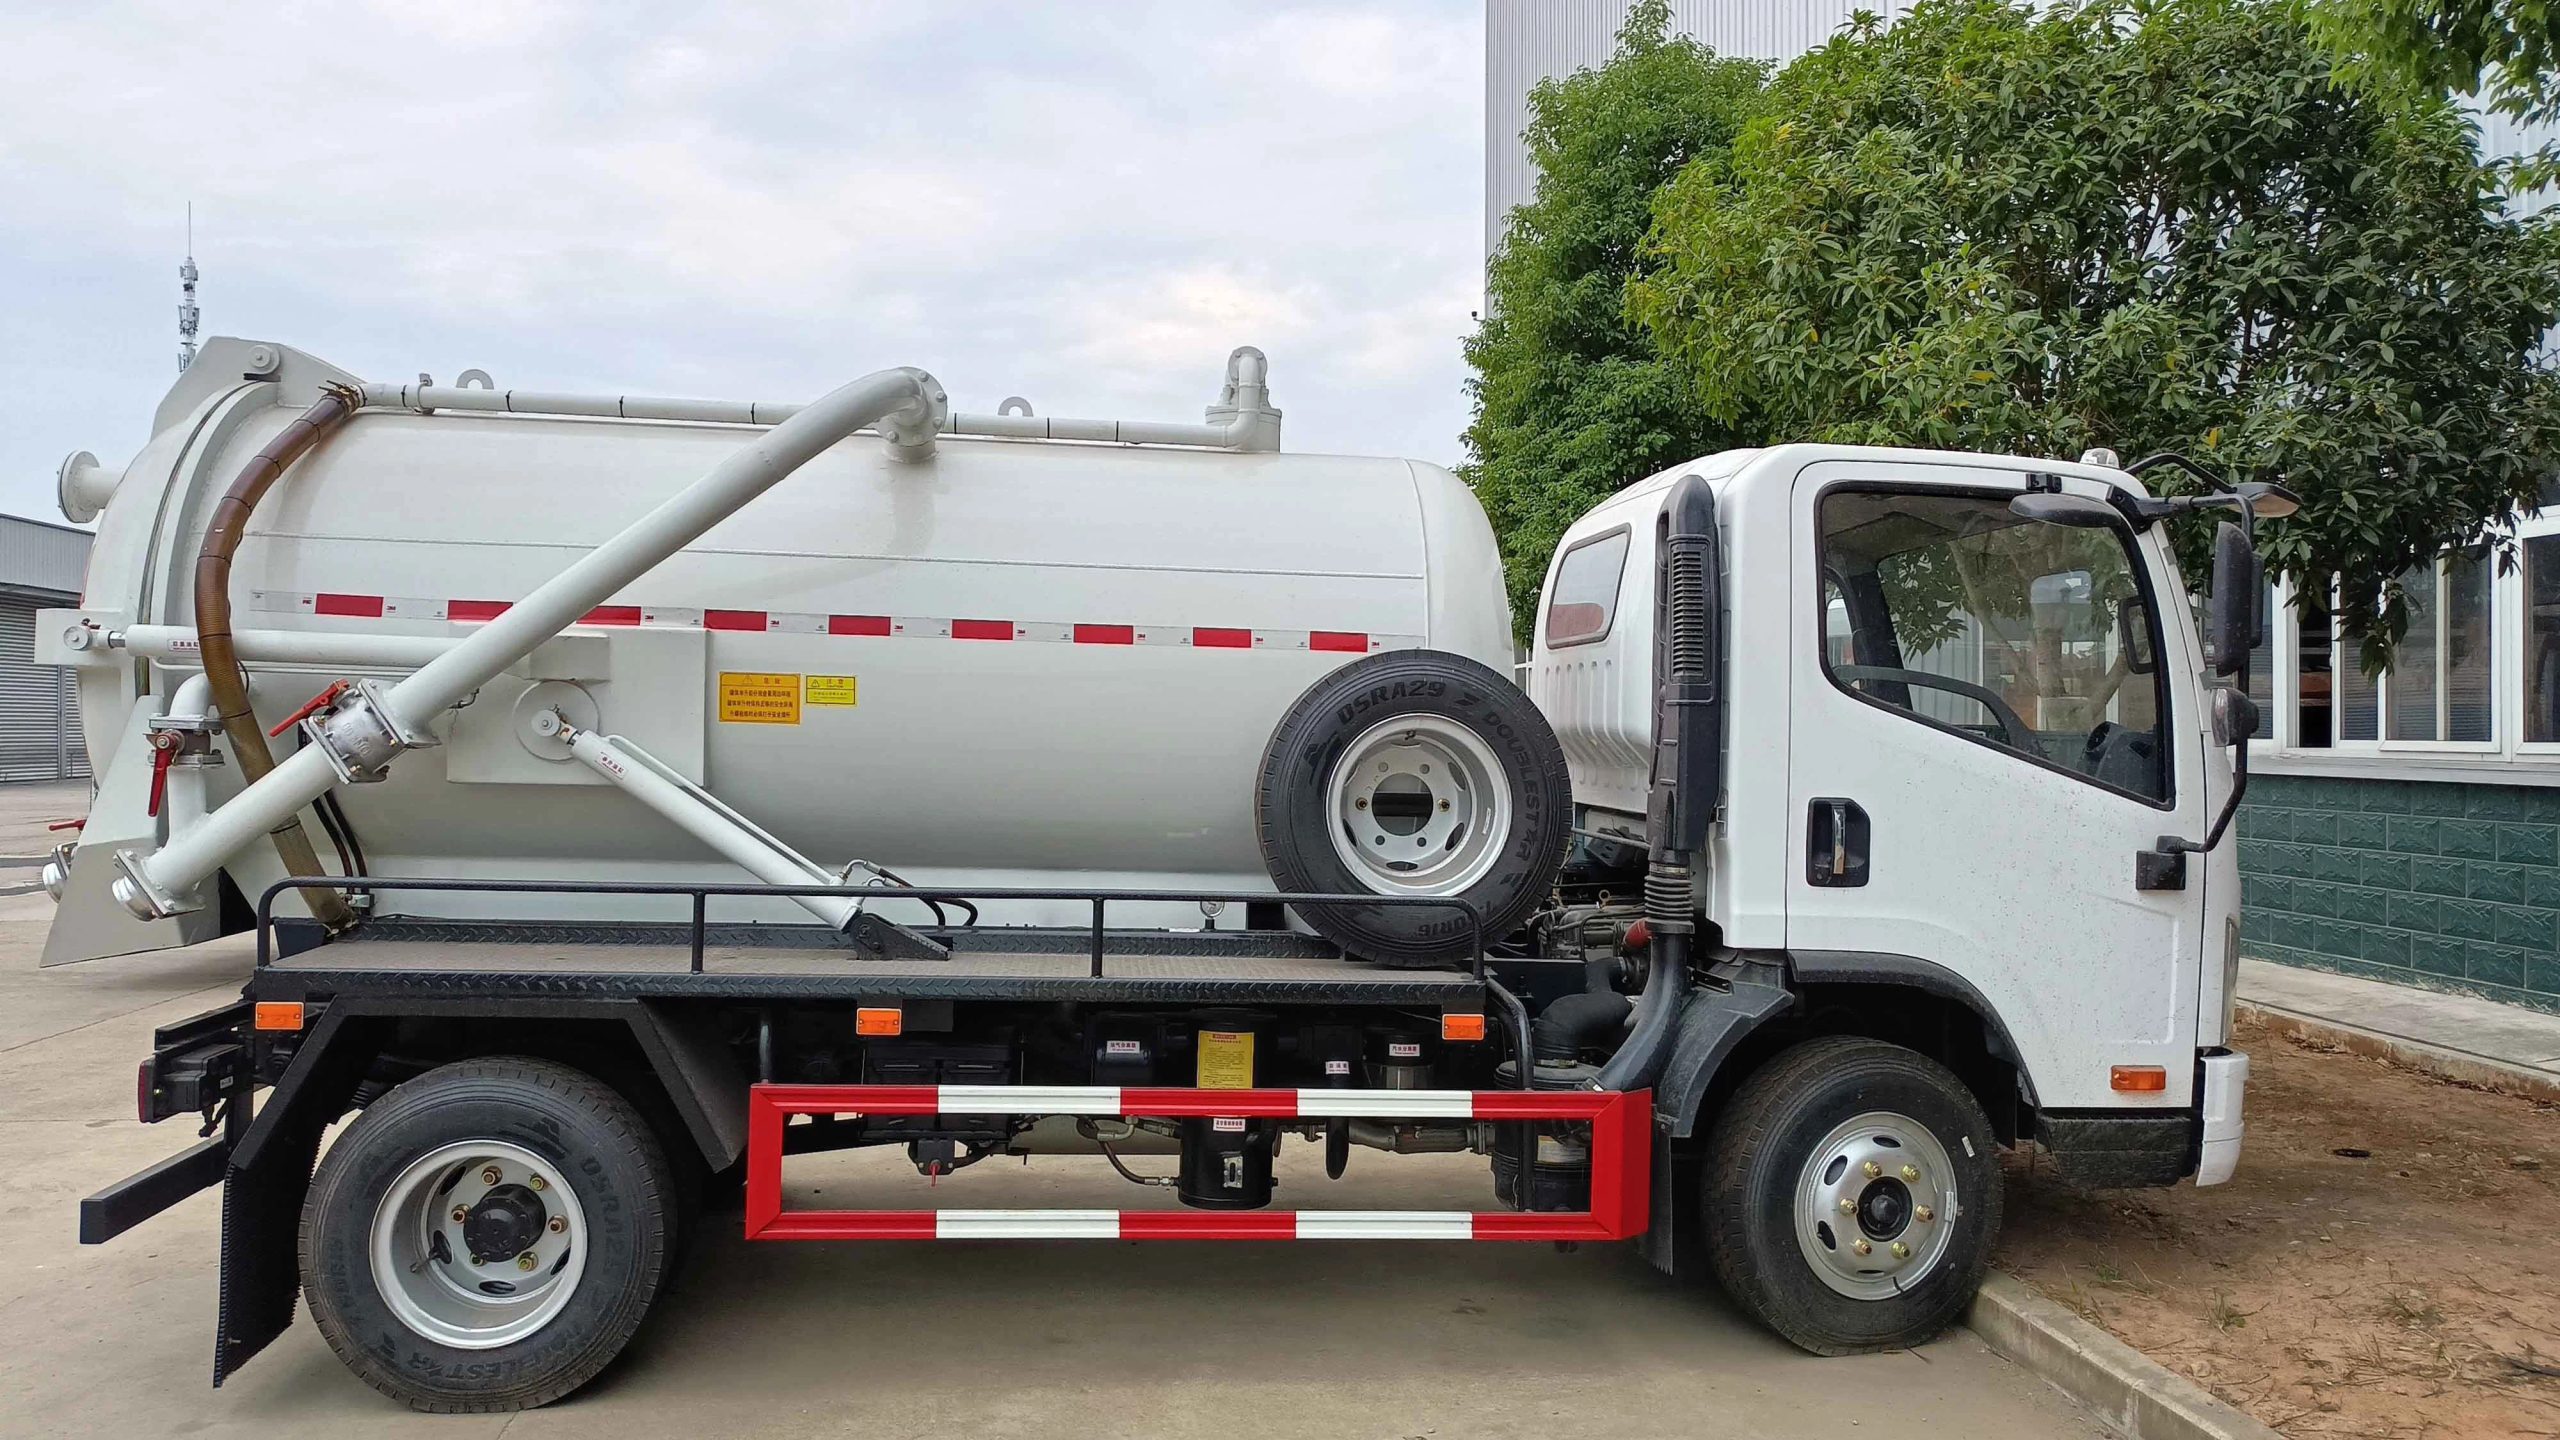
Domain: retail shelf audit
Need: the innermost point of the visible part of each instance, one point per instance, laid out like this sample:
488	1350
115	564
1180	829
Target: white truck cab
1950	733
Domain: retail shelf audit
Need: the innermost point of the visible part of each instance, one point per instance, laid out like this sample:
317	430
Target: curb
2123	1387
2445	1064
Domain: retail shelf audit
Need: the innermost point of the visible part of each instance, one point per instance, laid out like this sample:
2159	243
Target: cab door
1984	737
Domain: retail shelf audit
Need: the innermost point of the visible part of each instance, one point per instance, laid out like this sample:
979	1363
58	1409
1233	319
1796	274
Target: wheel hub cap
1419	805
504	1224
1876	1206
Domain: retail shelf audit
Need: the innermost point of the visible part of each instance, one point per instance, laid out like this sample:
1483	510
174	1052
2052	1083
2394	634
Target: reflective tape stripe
1031	1099
1390	1104
1026	1225
1386	1225
913	627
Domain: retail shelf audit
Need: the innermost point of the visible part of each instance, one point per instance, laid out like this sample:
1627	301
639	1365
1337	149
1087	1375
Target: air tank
1024	662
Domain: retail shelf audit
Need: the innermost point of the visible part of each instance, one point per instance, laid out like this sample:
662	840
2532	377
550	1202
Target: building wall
2446	885
40	565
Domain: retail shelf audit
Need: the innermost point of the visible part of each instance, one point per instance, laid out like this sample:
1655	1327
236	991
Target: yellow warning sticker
1226	1060
828	689
749	699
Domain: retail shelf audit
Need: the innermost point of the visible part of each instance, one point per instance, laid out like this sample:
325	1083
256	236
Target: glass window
2468	692
2542	639
2313	648
2359	694
2410	706
2260	682
2441	686
1585	597
2031	637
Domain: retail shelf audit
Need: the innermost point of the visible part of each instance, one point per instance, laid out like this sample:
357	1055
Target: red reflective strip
1139	1101
1196	1225
1215	639
1106	634
611	615
1542	1104
368	606
474	609
733	620
1357	644
981	629
857	624
1510	1225
848	1225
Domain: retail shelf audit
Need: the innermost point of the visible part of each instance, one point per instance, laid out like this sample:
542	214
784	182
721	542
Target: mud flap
263	1190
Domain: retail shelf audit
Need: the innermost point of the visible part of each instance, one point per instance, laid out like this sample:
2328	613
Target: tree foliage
2507	52
2146	224
1571	401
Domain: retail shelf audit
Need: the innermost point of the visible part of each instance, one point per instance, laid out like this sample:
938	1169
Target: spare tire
1414	772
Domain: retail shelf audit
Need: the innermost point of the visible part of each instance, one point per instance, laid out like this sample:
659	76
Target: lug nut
1444	804
1862	1247
1901	1251
537	1182
1910	1175
1871	1169
1360	804
559	1224
526	1261
460	1214
1923	1214
489	1175
1848	1206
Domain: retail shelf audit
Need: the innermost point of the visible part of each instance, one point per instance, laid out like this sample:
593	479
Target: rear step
1621	1163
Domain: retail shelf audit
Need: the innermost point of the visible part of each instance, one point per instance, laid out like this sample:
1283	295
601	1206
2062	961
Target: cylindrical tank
1018	663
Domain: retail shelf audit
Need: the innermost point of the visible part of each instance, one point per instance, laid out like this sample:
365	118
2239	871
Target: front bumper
2222	1078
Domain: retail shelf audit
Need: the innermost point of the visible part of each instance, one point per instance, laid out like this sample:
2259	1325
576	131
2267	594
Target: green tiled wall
2445	885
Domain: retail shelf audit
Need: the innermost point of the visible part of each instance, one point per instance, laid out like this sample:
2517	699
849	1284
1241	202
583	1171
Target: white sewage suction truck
626	793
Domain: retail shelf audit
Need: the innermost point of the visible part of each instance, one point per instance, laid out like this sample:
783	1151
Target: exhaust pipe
1688	768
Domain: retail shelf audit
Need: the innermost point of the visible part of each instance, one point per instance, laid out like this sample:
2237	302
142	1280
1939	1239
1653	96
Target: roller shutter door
39	714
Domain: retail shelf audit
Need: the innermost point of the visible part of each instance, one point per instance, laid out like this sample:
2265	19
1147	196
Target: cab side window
1584	600
2037	639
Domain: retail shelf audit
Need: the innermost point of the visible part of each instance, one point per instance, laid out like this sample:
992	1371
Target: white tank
1022	662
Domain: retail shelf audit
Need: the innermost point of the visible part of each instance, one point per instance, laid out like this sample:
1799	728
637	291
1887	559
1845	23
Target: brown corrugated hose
222	672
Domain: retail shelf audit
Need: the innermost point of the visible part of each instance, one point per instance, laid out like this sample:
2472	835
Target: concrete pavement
2459	1037
1063	1339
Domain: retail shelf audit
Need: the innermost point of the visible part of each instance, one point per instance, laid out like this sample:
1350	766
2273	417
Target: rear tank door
1983	737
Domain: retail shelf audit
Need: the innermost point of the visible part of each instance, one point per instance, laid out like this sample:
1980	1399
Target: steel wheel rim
1418	805
422	1234
1882	1180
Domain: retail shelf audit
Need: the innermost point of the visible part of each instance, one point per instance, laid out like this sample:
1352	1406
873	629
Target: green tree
1570	401
2146	224
2507	52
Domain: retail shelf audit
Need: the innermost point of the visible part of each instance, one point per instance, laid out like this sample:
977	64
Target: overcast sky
1086	203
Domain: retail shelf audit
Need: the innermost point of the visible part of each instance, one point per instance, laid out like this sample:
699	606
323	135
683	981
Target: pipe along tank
1053	653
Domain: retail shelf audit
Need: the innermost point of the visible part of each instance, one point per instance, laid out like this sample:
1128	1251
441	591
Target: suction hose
222	672
1688	770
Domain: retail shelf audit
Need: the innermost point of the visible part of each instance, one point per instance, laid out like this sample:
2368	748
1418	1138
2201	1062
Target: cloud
1086	204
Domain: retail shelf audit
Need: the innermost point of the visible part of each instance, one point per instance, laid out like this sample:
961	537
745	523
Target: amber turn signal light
277	1015
1461	1027
881	1021
2137	1079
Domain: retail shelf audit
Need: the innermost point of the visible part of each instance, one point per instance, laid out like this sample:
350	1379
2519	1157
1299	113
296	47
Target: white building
40	565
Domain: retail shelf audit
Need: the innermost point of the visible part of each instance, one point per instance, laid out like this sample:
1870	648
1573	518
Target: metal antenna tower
187	312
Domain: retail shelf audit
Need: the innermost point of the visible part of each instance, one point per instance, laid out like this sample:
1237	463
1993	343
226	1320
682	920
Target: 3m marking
828	689
752	699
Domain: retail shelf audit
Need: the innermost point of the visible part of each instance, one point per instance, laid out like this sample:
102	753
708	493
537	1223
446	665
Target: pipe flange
134	890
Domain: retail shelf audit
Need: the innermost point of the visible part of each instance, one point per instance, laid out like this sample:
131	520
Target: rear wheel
1852	1196
1414	773
487	1236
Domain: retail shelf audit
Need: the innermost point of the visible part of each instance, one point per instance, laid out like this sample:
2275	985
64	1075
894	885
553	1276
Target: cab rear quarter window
1583	603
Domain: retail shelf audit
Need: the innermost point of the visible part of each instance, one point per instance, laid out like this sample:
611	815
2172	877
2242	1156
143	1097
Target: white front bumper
2225	1076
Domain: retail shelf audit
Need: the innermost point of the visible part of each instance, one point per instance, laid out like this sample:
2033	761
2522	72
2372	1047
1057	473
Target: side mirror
2231	626
2055	508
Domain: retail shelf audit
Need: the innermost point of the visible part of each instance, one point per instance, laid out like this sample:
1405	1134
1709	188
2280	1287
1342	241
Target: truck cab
1955	740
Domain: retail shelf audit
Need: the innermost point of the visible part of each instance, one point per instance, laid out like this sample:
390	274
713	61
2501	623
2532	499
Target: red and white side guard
1621	1163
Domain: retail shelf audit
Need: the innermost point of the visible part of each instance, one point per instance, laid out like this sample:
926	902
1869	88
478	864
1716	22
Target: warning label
828	689
749	699
1226	1060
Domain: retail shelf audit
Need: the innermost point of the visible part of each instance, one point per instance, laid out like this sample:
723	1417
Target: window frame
2136	559
2341	654
1617	587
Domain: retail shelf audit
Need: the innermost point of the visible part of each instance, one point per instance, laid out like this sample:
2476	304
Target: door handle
1836	841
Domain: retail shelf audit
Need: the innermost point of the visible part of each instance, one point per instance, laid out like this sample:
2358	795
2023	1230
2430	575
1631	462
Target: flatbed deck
411	957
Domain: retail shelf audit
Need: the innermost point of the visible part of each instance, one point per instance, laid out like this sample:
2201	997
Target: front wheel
487	1236
1853	1194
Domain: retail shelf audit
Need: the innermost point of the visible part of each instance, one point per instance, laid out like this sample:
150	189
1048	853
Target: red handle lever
310	707
164	753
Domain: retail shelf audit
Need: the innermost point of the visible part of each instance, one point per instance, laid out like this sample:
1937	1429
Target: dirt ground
2385	1264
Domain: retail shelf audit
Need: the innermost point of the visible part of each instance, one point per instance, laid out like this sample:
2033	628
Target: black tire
1297	833
568	1119
1756	1153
